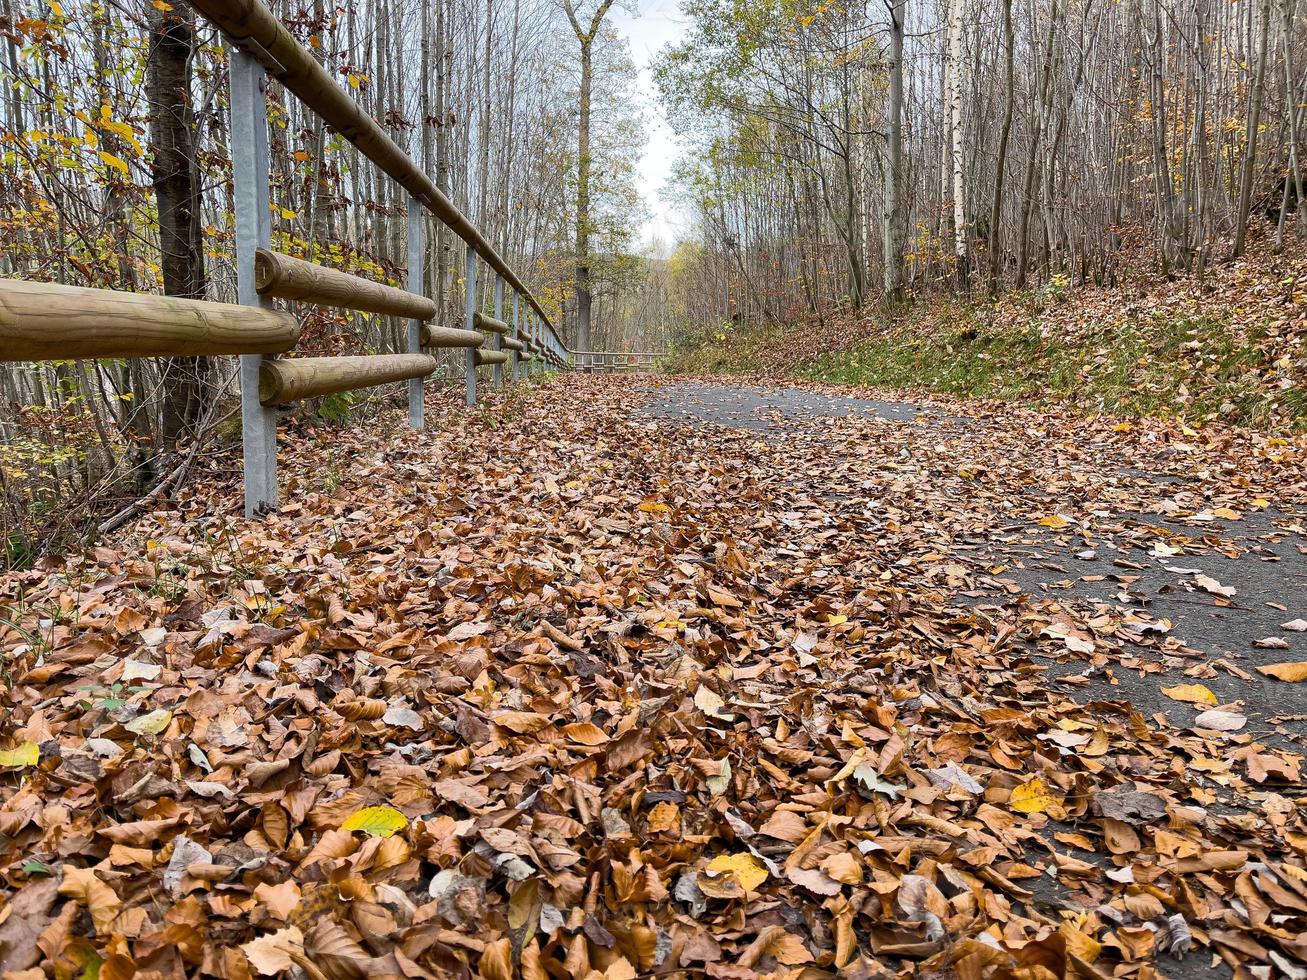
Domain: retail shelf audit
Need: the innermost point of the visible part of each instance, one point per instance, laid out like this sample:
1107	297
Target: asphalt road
1262	556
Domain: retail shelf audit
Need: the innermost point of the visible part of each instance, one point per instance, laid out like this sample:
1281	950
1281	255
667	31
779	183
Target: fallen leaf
376	821
27	754
270	954
86	888
710	703
1191	693
150	724
1031	797
1220	721
1286	671
1211	585
744	867
1271	643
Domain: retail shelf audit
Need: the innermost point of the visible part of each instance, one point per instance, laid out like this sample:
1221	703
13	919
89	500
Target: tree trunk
583	204
1000	164
1249	169
961	256
586	39
894	218
176	191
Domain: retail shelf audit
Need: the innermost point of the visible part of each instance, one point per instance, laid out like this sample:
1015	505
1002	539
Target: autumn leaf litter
562	690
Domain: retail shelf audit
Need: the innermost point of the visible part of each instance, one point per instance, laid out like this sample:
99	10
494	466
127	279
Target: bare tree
585	36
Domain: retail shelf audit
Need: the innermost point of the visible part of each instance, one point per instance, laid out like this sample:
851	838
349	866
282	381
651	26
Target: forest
845	152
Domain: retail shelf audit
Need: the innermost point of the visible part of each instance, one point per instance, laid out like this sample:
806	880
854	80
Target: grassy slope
1233	347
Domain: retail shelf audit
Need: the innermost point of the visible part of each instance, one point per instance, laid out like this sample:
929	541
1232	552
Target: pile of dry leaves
560	690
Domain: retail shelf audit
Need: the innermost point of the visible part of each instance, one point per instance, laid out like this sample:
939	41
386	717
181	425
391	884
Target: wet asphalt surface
1262	556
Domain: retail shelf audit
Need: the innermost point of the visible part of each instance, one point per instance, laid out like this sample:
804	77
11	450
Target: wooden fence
608	362
42	321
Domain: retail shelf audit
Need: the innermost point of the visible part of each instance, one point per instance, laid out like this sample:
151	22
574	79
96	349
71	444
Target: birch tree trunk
960	251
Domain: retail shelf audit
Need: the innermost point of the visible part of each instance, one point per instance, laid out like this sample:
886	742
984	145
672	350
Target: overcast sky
657	24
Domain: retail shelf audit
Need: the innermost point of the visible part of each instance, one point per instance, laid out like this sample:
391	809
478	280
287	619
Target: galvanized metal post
497	372
471	281
416	275
531	338
514	359
249	161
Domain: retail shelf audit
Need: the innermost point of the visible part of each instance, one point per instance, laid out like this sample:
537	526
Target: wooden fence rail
448	337
294	379
284	277
620	361
41	321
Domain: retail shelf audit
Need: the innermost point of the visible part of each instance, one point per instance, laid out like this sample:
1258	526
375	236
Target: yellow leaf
109	160
1056	521
1226	513
377	821
121	128
288	215
27	754
834	620
743	867
151	724
353	81
1031	797
654	507
1286	671
1191	693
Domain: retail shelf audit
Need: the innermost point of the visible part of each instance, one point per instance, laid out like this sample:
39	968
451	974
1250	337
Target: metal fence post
416	275
471	280
526	335
497	372
249	162
514	359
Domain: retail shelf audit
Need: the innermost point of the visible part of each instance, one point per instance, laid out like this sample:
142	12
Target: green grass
726	349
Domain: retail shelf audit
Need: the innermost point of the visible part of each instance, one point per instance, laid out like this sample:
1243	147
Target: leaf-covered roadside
1226	347
562	690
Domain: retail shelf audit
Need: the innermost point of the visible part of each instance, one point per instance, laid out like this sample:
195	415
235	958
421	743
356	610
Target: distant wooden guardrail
589	361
